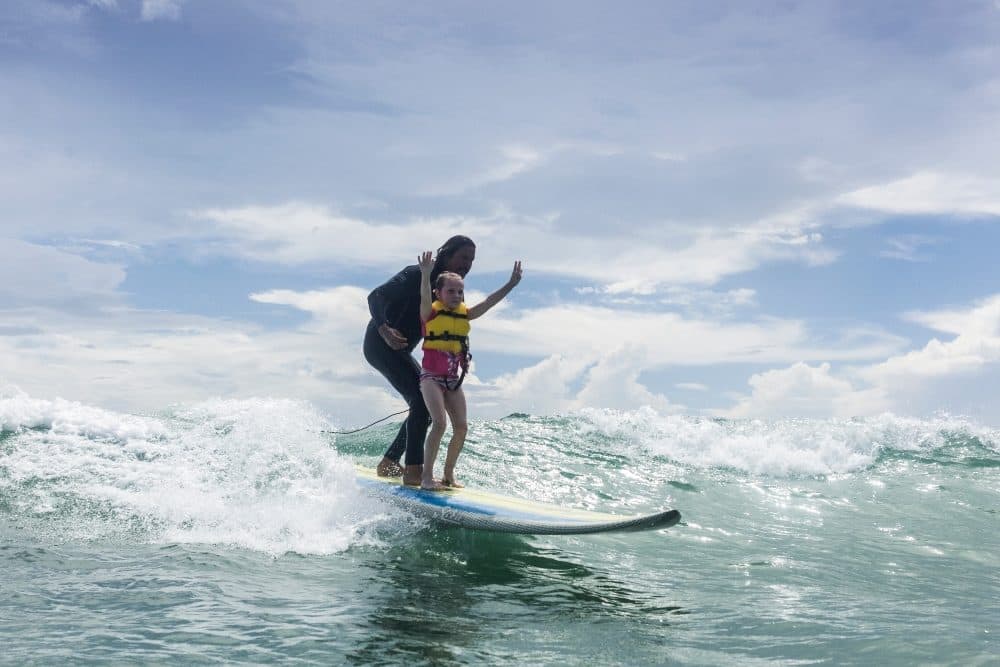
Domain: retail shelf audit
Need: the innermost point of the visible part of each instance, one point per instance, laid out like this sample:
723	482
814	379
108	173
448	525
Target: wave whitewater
262	474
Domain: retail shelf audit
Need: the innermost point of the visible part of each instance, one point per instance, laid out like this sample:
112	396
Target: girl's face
452	292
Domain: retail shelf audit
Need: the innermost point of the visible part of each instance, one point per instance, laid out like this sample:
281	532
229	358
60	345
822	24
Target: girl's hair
444	253
443	276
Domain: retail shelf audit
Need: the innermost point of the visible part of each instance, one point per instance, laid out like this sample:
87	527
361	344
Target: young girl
446	360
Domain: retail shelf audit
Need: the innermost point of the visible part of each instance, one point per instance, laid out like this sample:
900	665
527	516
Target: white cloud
594	146
543	388
907	248
48	187
927	192
691	386
593	356
154	10
934	359
596	356
802	390
980	318
589	357
920	379
666	338
711	304
613	382
35	274
163	358
514	159
667	156
642	263
27	15
819	170
976	344
300	233
336	305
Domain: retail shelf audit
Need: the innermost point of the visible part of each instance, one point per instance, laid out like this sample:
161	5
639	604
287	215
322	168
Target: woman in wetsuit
391	336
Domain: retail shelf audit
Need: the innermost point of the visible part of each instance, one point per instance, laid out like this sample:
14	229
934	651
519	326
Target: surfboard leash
369	425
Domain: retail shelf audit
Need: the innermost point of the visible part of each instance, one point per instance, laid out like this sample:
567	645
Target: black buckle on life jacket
448	336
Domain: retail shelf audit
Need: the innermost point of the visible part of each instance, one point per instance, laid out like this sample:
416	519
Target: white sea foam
778	447
251	473
20	411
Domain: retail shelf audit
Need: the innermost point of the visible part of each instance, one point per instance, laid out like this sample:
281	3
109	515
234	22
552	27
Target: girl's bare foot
452	483
432	485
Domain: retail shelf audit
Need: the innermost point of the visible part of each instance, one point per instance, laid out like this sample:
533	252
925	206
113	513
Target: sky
724	209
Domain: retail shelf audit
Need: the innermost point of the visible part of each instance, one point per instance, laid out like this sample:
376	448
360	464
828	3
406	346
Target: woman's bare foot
388	468
413	475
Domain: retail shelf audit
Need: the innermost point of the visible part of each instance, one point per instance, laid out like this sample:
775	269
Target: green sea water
233	532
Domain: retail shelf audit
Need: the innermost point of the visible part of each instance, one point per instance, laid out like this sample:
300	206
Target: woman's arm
387	297
390	294
493	299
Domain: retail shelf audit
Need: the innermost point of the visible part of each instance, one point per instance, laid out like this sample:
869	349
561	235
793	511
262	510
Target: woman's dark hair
444	253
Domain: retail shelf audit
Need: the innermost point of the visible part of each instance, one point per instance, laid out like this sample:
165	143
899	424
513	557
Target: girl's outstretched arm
493	299
426	263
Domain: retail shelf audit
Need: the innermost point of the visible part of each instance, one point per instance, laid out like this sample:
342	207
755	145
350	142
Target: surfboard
482	510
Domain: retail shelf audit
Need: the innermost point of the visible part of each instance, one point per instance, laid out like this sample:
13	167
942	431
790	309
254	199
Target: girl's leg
434	398
454	403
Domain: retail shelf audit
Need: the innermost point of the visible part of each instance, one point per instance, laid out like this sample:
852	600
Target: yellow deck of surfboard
484	510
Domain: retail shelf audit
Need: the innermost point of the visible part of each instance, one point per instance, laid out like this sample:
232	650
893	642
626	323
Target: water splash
783	447
251	473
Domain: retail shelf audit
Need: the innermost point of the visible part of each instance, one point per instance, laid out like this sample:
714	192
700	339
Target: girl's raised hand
426	261
515	275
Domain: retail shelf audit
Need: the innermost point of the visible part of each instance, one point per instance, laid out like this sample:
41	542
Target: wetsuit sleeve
390	295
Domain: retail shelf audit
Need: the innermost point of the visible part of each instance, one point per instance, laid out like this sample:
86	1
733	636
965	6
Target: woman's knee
418	406
460	428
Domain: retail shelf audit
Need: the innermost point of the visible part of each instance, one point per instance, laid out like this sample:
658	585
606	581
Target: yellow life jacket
448	330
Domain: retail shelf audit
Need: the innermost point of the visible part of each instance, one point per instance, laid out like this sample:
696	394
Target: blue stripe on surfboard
483	510
483	502
485	499
445	499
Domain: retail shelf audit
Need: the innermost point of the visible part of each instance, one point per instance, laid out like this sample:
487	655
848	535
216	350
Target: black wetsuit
397	303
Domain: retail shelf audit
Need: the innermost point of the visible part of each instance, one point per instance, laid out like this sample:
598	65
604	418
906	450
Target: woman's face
461	261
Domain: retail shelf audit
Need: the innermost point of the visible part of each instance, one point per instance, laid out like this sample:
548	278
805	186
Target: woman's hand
392	337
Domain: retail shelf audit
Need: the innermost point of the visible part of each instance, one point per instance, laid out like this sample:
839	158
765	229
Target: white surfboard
482	510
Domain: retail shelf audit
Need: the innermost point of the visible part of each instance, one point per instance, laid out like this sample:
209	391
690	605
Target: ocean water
233	532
